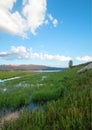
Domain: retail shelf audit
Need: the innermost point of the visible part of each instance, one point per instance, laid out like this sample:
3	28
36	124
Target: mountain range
27	67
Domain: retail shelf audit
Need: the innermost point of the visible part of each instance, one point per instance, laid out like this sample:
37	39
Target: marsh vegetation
64	100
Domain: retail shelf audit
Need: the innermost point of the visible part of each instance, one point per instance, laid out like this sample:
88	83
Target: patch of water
1	81
4	80
22	84
32	106
5	89
18	85
26	85
32	85
42	71
43	77
38	85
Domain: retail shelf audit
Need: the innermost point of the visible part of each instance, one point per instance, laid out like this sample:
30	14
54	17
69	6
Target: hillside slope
86	67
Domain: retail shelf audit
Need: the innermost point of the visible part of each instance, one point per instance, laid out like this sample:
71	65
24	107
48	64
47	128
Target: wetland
49	101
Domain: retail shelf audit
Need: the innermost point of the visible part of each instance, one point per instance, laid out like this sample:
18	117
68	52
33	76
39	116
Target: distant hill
27	67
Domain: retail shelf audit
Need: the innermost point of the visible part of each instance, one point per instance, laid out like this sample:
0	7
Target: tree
70	64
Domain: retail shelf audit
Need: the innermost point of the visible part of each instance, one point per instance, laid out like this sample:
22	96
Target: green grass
7	74
66	96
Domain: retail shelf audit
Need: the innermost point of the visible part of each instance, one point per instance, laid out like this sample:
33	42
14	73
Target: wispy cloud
21	52
50	17
53	20
84	58
32	16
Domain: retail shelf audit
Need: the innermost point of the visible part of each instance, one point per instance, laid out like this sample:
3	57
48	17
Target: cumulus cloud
31	17
24	2
7	4
35	11
84	58
12	23
21	52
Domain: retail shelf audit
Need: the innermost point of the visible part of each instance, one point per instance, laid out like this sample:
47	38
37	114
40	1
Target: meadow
65	98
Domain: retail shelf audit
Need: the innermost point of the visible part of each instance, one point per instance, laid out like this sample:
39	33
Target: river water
4	80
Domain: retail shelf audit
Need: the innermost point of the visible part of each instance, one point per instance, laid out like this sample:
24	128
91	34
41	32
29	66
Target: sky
45	32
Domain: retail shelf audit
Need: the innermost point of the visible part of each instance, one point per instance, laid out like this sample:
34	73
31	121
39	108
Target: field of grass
65	96
7	74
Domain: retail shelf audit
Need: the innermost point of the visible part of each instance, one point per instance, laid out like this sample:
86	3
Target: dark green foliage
70	64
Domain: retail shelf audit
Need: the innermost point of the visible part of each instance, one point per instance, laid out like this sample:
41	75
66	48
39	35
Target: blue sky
46	32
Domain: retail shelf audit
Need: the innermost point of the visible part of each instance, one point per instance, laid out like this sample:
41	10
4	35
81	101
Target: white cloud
35	11
21	52
53	20
32	16
25	2
46	22
12	23
50	17
84	58
7	4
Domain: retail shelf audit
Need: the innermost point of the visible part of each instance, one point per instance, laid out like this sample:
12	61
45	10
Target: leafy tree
70	63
